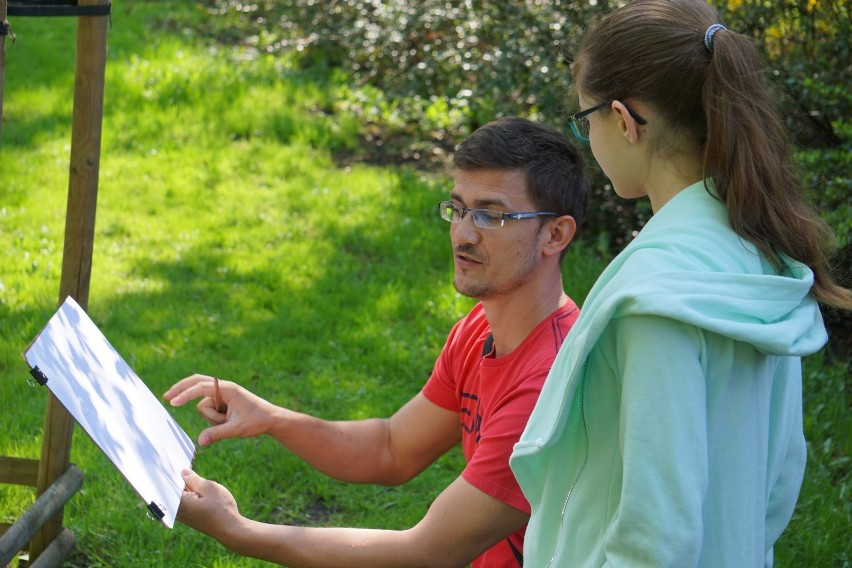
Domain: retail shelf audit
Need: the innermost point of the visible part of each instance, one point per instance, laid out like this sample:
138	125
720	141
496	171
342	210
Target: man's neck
514	316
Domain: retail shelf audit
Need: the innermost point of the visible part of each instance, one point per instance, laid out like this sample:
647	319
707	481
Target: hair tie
708	36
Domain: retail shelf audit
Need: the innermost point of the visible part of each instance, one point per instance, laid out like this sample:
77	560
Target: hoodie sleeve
789	463
663	443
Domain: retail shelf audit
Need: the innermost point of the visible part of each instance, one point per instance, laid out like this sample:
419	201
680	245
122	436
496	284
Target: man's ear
561	232
628	125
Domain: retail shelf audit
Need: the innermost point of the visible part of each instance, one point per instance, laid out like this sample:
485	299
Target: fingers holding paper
245	414
207	506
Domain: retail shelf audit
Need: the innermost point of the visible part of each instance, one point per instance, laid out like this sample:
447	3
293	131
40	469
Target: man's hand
461	524
207	507
246	414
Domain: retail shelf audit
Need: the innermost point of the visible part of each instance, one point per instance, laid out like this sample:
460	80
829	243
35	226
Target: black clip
156	512
40	377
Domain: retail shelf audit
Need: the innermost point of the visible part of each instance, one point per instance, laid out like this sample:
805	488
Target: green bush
425	74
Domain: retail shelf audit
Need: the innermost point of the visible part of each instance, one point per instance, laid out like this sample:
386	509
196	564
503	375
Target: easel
53	476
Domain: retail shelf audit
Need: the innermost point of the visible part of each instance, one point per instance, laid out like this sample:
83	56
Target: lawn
230	241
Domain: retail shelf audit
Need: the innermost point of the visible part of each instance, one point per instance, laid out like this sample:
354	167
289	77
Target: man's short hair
555	170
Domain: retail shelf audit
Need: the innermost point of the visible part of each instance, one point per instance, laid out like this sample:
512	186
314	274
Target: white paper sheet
113	405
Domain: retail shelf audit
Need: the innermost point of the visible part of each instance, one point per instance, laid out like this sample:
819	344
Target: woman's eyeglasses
579	122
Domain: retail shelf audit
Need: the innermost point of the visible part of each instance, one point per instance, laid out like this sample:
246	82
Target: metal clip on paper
156	512
38	376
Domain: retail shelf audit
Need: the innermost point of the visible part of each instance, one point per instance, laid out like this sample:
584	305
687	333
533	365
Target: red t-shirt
494	398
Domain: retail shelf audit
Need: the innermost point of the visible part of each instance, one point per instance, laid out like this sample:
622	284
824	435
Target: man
519	194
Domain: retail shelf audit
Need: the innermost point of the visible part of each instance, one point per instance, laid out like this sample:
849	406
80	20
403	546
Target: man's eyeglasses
579	122
485	218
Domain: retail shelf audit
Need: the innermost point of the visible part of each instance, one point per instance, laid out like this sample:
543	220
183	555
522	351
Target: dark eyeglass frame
572	120
486	218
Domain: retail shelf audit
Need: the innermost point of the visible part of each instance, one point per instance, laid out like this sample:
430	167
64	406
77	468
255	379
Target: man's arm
388	451
460	525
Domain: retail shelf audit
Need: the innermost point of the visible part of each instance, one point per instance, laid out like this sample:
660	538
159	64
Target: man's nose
465	231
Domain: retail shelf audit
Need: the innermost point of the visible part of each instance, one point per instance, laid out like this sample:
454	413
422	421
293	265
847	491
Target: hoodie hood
687	264
729	288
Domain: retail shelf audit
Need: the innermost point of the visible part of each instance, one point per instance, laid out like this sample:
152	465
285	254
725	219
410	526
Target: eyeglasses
579	122
485	218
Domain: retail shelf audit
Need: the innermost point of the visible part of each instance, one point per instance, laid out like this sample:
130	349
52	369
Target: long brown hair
715	99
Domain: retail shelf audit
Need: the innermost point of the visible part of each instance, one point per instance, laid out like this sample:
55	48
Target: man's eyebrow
480	203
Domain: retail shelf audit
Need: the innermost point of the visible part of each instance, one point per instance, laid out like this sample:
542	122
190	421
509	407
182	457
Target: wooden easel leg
79	235
4	27
55	459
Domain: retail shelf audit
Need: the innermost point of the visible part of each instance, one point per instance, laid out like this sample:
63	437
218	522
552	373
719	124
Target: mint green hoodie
669	431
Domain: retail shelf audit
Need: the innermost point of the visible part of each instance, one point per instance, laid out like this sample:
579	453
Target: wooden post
89	78
39	513
4	28
56	552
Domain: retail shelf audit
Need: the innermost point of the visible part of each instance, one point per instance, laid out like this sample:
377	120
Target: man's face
493	262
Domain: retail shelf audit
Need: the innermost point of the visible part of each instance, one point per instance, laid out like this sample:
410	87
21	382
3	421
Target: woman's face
617	157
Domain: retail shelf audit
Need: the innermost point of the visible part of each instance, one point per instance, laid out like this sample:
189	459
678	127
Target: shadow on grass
354	334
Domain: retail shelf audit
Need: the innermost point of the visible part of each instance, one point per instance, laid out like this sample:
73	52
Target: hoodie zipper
581	390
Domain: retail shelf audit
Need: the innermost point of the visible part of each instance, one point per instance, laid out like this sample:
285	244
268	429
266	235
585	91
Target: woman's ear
560	235
628	125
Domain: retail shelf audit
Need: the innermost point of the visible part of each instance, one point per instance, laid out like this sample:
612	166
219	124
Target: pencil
218	405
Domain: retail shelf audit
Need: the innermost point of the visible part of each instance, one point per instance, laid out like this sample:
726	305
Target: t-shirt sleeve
489	469
440	389
460	353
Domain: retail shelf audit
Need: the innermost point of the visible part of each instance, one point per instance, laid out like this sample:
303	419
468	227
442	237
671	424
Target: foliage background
437	69
424	74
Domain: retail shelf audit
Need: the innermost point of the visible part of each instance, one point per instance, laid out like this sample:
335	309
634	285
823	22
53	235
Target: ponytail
747	153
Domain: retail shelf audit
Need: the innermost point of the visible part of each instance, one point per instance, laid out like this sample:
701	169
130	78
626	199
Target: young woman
669	431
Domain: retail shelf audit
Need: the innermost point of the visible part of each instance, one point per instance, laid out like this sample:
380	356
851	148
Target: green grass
818	533
228	241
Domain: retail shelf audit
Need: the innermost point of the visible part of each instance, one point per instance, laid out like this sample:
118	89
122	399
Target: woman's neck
667	178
